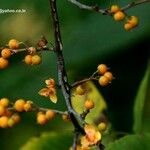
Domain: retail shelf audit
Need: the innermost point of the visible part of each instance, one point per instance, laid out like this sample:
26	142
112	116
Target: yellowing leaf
44	92
93	94
53	98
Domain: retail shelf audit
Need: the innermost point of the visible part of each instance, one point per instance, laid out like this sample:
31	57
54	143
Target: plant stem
62	75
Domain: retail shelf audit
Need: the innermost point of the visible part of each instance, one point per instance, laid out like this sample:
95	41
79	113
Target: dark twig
62	75
106	11
132	4
75	140
83	81
91	8
84	114
37	109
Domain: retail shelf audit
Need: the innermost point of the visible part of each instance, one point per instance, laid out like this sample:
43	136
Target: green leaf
131	142
49	141
140	102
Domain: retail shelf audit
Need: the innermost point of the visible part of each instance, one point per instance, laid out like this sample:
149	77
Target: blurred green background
89	39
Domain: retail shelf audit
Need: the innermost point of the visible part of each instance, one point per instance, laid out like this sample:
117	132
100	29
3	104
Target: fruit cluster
6	53
119	15
44	117
7	117
21	105
105	76
32	59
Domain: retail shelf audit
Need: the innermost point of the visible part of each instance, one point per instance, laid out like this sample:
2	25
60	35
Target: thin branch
83	81
37	109
62	75
106	11
132	4
84	114
75	140
91	8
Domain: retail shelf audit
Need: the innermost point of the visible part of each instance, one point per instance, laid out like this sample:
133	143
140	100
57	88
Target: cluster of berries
44	117
32	58
21	105
6	53
106	76
13	47
119	15
7	117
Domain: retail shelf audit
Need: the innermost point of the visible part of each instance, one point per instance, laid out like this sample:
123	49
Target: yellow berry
133	21
128	26
4	102
27	107
36	59
89	104
103	81
13	44
3	63
28	59
11	122
80	90
6	53
114	8
50	114
109	75
102	126
16	118
2	110
41	119
118	16
66	117
102	68
3	122
19	105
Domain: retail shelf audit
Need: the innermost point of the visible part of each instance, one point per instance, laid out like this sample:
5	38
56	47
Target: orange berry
27	107
50	114
80	90
16	118
114	8
3	63
128	26
36	59
41	119
103	81
6	53
133	21
102	68
89	104
13	44
118	16
3	122
2	110
102	126
11	122
19	105
109	75
66	117
28	59
4	102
